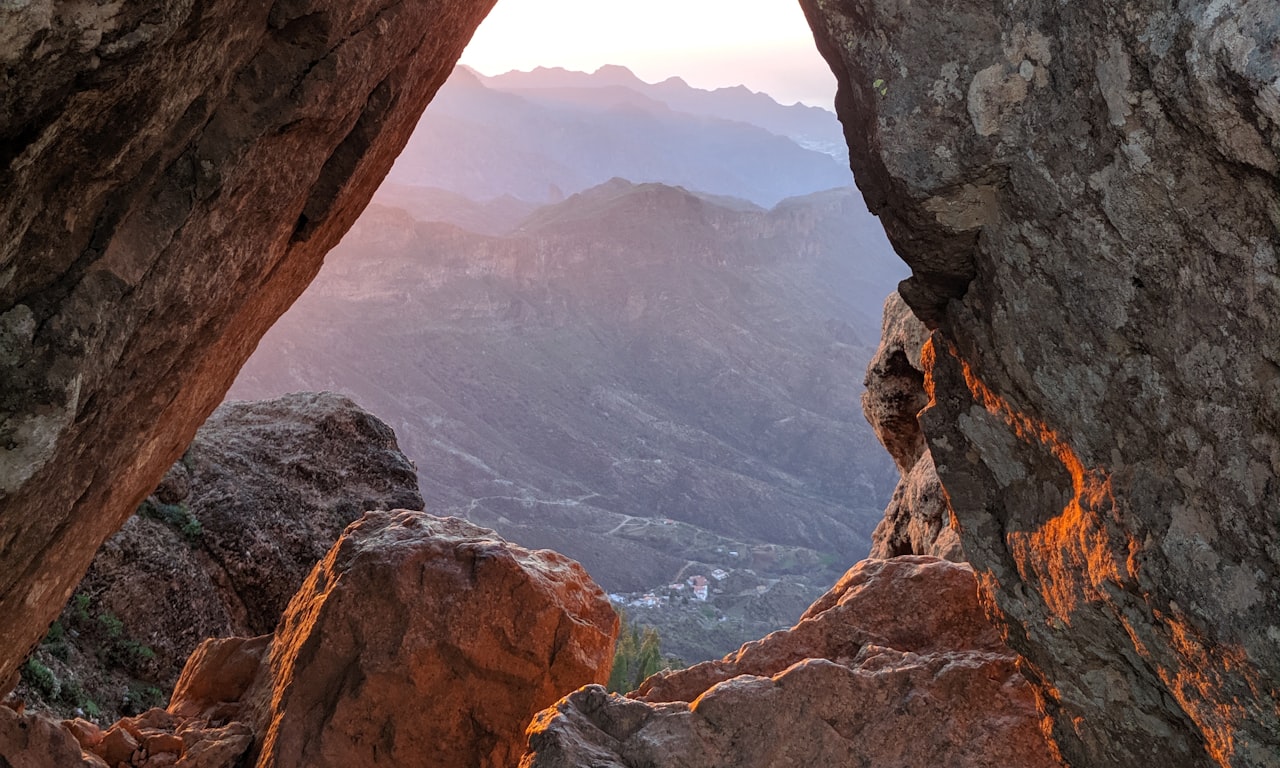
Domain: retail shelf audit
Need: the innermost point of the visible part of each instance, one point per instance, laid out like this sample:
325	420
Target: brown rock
427	641
896	665
117	745
895	384
220	747
918	520
155	719
88	734
218	673
1087	200
35	741
156	743
171	176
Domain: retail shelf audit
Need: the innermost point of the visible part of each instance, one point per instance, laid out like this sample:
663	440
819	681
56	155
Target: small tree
637	655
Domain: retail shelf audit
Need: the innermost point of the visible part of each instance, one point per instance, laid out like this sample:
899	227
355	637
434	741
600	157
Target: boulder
424	641
35	741
418	640
896	665
231	532
1087	195
171	176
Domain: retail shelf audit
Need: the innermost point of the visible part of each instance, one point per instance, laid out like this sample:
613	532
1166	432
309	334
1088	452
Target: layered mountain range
540	136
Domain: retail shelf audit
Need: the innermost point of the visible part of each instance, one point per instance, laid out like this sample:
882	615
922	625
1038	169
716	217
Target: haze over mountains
546	134
655	380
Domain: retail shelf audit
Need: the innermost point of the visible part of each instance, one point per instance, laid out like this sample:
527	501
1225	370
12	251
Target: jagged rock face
918	518
896	665
421	640
172	176
1087	195
228	537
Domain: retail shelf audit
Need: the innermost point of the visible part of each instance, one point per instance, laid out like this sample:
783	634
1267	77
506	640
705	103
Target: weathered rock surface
219	549
426	641
896	665
918	518
172	175
1087	195
35	741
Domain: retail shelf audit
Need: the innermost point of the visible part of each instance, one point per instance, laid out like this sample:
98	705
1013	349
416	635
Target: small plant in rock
176	516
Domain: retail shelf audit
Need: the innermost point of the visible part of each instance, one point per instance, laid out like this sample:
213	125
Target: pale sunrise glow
762	44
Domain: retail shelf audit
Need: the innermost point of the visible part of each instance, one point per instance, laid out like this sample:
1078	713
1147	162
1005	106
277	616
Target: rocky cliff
1087	195
172	176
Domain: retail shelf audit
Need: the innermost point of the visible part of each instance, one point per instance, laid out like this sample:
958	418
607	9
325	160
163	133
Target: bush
41	679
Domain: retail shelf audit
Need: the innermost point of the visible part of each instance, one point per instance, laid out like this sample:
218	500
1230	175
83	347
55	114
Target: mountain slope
638	377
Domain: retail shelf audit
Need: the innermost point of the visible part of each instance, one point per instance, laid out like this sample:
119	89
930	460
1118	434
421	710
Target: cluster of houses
698	585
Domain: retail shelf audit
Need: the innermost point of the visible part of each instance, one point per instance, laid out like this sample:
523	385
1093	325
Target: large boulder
896	665
220	547
171	176
1087	194
425	641
917	520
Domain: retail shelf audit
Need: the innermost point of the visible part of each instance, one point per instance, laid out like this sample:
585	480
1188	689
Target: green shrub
111	624
139	698
80	607
176	516
41	679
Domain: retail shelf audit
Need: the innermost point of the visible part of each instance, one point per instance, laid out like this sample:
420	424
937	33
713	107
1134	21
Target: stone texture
217	675
172	176
917	520
896	665
1087	195
224	542
35	741
426	641
895	384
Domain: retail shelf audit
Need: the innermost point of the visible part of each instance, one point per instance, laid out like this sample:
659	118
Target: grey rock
1097	248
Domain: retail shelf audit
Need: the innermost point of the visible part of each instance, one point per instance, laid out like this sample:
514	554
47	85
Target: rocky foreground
896	665
417	640
217	550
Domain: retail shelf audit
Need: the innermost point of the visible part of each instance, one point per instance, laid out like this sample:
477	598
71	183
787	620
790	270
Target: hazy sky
762	44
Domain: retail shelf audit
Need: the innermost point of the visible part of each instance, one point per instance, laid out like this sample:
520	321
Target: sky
765	45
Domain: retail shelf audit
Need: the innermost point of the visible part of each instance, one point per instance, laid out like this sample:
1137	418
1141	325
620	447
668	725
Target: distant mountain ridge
812	127
533	140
